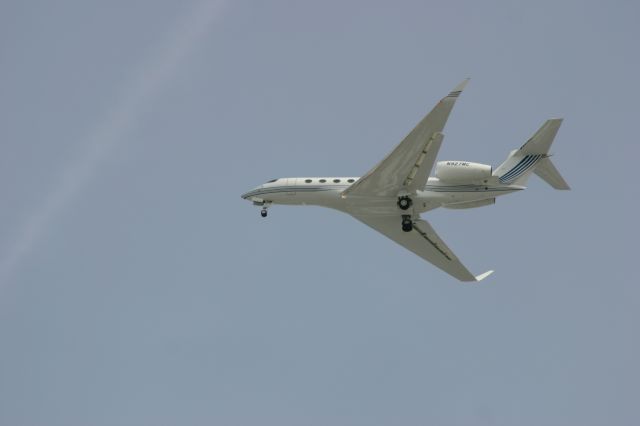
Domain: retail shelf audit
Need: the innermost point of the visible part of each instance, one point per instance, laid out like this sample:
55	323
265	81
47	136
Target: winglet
458	89
483	276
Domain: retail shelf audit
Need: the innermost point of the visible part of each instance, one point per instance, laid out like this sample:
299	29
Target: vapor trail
146	83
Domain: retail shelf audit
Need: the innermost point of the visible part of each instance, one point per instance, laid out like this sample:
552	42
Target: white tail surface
548	172
533	157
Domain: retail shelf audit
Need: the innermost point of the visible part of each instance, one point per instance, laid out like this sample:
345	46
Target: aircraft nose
249	194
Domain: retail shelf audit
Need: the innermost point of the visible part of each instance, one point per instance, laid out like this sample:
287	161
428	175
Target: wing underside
424	242
405	170
408	166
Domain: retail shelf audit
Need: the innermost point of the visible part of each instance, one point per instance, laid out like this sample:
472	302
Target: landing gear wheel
407	224
263	212
404	202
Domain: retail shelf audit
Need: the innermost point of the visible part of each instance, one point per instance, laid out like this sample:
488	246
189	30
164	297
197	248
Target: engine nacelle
462	171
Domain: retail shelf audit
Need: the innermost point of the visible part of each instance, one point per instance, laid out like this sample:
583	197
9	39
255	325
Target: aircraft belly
282	198
330	198
423	201
447	197
378	206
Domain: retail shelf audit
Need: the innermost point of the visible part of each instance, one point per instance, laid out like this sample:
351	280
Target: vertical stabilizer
533	156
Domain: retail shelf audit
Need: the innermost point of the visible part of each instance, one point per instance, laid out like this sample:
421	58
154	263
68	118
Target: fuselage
327	192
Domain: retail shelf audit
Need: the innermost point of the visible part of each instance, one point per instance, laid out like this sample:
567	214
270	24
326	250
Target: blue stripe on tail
519	169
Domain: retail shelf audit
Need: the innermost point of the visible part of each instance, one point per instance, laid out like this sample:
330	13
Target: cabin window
336	181
350	180
308	180
323	180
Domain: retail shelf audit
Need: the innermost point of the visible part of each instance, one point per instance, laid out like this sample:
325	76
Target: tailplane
548	172
533	156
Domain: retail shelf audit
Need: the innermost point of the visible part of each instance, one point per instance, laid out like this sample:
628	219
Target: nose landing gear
407	223
264	205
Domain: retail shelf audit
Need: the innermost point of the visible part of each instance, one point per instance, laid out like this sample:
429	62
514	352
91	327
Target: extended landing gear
404	202
407	223
264	205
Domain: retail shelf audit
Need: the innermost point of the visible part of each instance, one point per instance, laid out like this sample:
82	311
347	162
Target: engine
462	172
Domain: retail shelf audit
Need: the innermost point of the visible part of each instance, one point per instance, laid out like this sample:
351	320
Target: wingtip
554	122
462	84
483	276
459	88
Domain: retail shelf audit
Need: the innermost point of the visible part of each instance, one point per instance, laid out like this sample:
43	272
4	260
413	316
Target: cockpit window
272	180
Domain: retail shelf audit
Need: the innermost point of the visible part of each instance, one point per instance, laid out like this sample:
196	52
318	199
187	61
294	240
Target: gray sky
137	288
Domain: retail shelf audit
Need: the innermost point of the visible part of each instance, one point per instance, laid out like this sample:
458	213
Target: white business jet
393	194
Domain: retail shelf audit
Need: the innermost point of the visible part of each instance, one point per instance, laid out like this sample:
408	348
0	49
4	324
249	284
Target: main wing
424	242
408	166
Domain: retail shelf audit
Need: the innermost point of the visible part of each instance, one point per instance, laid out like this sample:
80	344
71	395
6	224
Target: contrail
146	83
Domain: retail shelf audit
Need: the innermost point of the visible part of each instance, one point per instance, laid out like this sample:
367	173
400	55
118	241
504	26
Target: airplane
391	196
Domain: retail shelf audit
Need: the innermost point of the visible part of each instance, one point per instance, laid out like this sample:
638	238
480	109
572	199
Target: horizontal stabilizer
547	171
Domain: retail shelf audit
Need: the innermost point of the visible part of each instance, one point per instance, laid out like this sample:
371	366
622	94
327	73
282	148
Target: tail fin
533	156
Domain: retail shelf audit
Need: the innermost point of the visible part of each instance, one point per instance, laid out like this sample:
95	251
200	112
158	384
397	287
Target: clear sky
137	288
